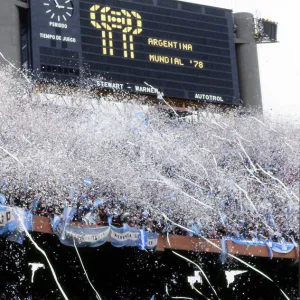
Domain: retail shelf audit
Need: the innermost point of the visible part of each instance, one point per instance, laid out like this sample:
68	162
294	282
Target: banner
124	236
152	239
88	236
7	220
14	219
132	237
248	242
12	223
283	247
83	236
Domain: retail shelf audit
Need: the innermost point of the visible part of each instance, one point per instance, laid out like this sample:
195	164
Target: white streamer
14	157
164	100
184	193
199	292
44	253
85	273
21	221
253	166
279	181
229	254
14	67
194	264
167	292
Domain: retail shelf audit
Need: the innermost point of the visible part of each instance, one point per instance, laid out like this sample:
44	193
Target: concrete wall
10	30
247	61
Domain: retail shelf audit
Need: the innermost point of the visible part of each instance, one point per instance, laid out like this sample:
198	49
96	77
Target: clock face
59	10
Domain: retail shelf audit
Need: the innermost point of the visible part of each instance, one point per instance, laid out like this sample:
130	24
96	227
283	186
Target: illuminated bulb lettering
107	19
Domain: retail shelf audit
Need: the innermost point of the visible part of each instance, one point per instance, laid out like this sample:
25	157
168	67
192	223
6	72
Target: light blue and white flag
2	199
141	116
98	203
125	236
90	219
12	223
269	246
17	237
283	247
7	220
55	221
223	219
142	239
152	238
83	236
119	236
132	236
223	254
145	213
68	214
24	218
87	181
109	219
35	204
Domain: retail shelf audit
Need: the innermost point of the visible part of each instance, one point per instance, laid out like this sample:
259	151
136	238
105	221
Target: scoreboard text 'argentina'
185	50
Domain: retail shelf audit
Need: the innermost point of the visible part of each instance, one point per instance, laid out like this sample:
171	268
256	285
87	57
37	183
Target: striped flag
69	213
87	181
2	199
142	239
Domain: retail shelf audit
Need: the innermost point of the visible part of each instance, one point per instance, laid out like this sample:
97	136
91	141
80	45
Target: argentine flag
98	202
55	222
35	204
68	216
142	239
69	213
2	199
87	181
141	116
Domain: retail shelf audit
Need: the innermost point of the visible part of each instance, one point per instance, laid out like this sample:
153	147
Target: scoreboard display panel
185	50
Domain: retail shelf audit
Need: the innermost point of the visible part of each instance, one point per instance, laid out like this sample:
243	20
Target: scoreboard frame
183	49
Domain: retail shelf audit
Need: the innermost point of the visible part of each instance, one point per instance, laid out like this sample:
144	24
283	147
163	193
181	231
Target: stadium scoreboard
185	50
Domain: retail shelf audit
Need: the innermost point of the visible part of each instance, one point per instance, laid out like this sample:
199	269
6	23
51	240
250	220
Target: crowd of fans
95	209
214	166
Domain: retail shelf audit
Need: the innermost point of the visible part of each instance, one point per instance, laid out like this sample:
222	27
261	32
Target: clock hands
57	5
62	11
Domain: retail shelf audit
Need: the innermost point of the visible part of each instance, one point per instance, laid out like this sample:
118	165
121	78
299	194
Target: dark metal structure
265	31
